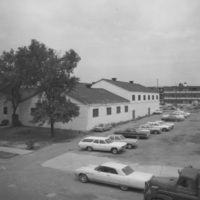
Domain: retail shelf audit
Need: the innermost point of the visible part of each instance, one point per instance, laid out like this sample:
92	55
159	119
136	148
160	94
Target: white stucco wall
140	107
85	121
79	123
7	116
104	118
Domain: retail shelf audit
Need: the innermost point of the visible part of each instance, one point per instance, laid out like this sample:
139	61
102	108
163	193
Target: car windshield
127	170
122	137
108	141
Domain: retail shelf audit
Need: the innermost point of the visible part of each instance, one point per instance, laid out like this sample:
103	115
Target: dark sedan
134	133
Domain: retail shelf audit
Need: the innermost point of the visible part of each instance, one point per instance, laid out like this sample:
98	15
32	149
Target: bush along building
105	101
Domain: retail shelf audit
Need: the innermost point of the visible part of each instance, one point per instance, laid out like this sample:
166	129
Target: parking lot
49	172
169	150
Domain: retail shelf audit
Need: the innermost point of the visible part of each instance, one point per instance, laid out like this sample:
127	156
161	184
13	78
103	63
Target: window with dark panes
109	111
157	97
5	110
144	97
126	108
149	97
139	97
95	112
118	109
152	97
133	97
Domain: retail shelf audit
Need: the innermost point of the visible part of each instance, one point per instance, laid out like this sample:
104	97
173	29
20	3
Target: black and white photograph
99	100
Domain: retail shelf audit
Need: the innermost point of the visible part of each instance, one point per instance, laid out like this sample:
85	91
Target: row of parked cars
122	139
115	173
177	115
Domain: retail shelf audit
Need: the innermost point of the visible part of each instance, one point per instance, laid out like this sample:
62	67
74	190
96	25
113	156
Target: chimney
131	81
114	79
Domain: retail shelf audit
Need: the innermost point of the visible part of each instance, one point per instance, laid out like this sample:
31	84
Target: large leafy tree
54	81
15	74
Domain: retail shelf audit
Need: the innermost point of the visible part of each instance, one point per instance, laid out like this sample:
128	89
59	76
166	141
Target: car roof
95	137
115	135
116	165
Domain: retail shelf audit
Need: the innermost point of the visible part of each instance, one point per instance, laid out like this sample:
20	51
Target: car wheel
114	151
164	129
83	178
155	132
89	148
129	146
124	188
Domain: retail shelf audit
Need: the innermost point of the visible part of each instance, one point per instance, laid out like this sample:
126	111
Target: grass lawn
18	137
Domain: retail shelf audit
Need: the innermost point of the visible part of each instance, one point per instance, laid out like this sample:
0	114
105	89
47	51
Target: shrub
30	145
4	122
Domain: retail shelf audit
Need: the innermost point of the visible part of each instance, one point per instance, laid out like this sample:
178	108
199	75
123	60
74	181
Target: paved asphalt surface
49	173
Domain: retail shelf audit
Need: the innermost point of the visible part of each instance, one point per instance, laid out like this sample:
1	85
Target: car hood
164	181
140	176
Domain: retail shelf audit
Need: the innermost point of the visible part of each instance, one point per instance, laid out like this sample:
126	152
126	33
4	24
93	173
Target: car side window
102	142
112	138
186	183
117	138
96	141
113	171
103	169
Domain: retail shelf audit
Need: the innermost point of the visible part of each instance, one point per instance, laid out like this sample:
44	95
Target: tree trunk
52	128
15	120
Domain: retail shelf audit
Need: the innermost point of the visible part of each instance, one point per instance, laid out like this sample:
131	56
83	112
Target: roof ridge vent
131	81
114	79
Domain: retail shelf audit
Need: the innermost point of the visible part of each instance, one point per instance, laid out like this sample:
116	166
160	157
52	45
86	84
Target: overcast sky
139	40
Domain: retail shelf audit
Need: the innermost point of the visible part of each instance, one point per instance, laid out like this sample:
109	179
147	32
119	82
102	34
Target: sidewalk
71	161
15	150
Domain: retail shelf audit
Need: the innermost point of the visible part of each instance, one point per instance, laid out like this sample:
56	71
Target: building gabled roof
87	95
130	86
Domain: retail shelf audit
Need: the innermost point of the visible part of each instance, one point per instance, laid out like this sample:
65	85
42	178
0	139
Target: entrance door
149	111
133	114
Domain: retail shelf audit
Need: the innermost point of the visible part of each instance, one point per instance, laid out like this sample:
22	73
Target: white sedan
158	112
113	173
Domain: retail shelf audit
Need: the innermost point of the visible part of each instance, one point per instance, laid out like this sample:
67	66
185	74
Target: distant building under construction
181	94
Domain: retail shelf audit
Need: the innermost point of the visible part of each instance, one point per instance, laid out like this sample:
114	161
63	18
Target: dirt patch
194	138
7	155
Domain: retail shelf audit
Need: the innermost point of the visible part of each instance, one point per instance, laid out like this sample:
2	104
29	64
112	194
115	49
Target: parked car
174	118
134	133
113	173
101	144
178	115
162	122
158	112
179	112
164	127
130	143
102	127
153	129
